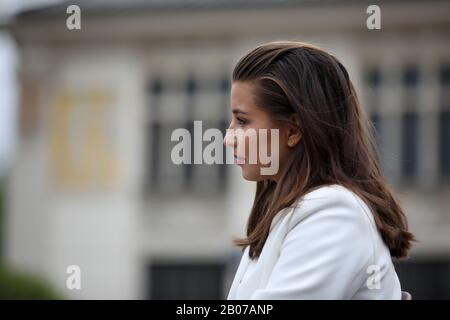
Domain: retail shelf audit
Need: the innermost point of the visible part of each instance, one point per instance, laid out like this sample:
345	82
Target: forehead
243	101
242	94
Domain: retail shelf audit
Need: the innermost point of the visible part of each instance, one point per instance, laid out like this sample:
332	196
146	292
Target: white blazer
326	247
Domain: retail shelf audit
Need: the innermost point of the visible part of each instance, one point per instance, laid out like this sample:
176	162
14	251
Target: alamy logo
251	146
374	280
73	21
374	20
74	279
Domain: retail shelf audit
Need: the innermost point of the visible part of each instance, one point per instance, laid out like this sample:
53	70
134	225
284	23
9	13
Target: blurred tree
2	195
15	285
19	286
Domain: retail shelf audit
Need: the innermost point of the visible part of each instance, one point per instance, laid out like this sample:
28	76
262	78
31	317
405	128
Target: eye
241	121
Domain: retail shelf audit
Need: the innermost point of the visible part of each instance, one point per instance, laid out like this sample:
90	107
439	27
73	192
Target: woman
325	225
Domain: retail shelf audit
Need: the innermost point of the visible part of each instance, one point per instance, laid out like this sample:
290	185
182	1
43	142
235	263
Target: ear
294	132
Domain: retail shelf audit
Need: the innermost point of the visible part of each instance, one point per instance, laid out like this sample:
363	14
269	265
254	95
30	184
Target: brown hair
337	145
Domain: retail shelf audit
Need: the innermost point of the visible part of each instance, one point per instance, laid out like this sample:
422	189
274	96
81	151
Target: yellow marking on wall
83	148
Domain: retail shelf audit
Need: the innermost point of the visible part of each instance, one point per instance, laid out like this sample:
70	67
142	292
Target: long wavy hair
337	145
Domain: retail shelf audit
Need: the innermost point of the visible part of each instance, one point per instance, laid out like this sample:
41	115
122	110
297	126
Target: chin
251	175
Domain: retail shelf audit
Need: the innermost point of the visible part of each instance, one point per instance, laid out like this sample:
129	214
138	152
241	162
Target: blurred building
93	183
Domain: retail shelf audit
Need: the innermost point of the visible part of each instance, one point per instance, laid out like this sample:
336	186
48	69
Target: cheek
241	142
258	142
269	144
249	146
247	143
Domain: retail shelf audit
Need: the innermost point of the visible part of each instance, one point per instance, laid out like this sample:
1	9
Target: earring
290	142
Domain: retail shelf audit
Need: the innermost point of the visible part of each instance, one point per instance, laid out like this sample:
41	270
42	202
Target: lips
238	160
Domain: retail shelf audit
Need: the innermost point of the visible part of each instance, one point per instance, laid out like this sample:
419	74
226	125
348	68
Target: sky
8	84
8	101
8	89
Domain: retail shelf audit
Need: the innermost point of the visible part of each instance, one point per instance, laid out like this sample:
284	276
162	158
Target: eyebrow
237	110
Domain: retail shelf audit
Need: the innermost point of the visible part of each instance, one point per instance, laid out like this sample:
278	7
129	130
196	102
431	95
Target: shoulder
335	213
335	221
330	241
334	200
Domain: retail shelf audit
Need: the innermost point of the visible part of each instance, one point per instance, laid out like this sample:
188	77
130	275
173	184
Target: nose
230	139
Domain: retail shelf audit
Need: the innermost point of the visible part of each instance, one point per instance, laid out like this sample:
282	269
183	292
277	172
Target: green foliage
2	209
17	286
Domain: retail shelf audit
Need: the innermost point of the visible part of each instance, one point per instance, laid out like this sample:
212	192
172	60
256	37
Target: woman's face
251	119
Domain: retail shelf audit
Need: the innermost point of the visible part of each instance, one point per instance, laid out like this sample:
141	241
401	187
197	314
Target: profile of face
249	118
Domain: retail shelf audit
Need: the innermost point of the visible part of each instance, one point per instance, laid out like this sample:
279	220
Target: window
410	123
409	145
373	81
373	78
375	119
425	278
186	281
444	122
174	104
167	113
444	141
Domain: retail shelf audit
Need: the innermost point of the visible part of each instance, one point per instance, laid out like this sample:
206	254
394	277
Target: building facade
93	183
